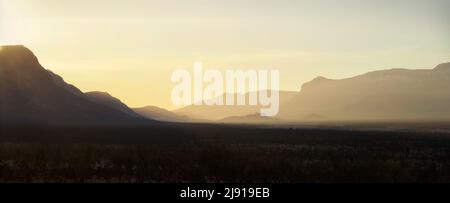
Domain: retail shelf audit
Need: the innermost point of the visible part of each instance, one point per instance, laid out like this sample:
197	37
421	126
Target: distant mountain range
397	94
218	113
250	119
160	114
30	94
385	95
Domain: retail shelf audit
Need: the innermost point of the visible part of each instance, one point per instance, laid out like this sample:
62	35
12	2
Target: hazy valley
384	126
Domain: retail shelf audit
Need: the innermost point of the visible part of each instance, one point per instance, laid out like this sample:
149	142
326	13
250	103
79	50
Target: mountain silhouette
396	94
384	95
29	94
217	113
160	114
250	119
110	101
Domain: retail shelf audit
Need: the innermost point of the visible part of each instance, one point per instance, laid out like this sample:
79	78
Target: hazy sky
130	48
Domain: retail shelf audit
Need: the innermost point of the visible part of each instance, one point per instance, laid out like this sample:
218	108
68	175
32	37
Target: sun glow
12	30
126	47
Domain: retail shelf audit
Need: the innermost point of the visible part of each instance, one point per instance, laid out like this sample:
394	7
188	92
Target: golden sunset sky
130	48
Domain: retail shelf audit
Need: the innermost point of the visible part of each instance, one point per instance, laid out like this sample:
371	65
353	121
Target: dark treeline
214	153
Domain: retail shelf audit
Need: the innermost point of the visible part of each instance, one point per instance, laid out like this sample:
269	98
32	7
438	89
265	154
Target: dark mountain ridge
396	94
29	94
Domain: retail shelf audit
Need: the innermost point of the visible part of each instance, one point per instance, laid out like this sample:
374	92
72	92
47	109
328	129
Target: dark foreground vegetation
207	153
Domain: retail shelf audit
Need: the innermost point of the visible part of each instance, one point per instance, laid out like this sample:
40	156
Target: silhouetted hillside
397	94
160	114
221	112
108	100
31	94
250	119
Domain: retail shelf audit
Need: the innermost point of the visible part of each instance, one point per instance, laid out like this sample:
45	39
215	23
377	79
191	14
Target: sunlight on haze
130	48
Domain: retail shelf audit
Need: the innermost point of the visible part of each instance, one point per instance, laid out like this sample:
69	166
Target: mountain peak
443	67
11	47
18	57
31	94
16	52
320	78
318	81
